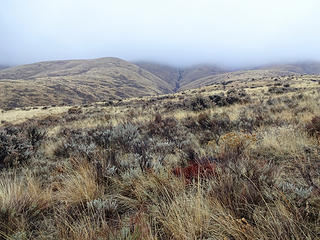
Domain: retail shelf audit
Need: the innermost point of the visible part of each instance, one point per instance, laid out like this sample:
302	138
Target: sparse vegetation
240	163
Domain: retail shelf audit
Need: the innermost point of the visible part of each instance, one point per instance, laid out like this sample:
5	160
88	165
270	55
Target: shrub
125	135
35	135
313	127
200	103
233	146
218	100
75	110
233	96
76	144
166	128
195	171
15	148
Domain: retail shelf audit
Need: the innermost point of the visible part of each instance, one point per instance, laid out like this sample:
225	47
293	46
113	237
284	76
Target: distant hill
75	82
235	76
84	81
167	73
302	68
179	77
200	71
267	71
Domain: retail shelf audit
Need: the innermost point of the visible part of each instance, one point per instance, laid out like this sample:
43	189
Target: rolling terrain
179	77
76	82
71	82
205	75
234	161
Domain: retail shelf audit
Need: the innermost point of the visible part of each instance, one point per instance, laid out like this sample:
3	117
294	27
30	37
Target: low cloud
231	32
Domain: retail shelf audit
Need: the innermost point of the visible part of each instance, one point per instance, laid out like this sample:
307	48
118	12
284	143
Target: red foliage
195	170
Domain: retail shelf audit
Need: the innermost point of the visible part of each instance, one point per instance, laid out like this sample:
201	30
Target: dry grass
158	168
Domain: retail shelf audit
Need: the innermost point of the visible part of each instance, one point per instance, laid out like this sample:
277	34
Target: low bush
200	103
75	110
313	127
15	147
233	96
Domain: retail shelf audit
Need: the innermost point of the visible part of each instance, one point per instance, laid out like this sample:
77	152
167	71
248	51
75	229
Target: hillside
237	161
71	82
236	76
199	71
179	77
75	82
263	72
302	68
165	72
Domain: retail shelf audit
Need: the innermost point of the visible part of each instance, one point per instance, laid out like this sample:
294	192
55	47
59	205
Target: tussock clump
23	204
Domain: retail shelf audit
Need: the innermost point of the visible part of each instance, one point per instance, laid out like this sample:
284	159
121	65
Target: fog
235	33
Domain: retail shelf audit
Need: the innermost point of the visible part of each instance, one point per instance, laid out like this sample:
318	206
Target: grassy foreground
229	161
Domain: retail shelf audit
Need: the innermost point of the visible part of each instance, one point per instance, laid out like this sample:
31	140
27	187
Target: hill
75	82
263	72
165	72
71	82
236	76
236	161
179	77
199	71
302	68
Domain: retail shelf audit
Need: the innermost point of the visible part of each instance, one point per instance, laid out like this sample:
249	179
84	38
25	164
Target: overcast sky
180	32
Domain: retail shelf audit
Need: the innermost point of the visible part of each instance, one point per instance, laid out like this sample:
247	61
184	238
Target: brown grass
108	172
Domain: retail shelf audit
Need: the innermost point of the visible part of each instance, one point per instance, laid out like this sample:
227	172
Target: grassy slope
197	72
167	73
76	81
84	81
236	76
302	68
268	71
179	77
109	172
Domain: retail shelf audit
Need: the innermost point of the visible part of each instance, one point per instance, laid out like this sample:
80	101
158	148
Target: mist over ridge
233	34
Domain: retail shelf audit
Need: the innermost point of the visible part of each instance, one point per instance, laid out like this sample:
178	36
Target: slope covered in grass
76	82
236	161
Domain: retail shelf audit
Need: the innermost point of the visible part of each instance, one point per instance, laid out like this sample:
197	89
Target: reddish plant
195	170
